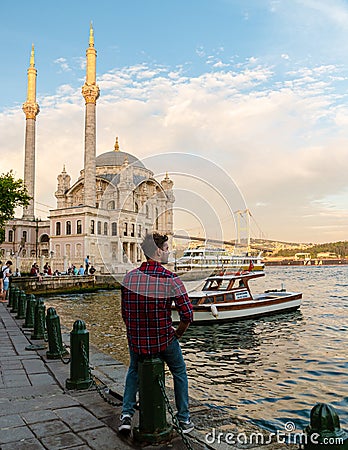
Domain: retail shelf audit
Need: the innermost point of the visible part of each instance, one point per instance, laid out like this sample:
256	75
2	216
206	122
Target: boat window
207	300
194	301
229	297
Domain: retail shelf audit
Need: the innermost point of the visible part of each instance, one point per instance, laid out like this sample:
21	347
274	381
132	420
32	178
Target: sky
249	95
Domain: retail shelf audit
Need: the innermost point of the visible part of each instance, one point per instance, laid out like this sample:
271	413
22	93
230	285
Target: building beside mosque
105	213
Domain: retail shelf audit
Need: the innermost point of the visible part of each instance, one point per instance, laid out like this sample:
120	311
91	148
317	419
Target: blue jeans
172	356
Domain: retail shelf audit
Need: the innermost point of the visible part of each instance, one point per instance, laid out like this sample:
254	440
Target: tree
13	193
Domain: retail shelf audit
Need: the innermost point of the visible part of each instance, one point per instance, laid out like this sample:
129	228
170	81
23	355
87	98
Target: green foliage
340	248
13	193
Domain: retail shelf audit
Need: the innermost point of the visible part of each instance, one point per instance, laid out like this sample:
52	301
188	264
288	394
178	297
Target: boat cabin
224	289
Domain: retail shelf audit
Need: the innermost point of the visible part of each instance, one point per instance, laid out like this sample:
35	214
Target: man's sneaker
126	424
186	427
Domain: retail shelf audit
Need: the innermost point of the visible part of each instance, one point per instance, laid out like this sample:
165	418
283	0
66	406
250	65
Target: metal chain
102	390
57	344
175	420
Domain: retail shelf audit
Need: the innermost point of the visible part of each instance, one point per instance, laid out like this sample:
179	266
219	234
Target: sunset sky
248	98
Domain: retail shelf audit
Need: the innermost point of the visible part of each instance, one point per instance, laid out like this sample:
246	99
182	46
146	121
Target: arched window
133	230
125	232
156	218
139	230
99	227
111	205
114	229
24	236
10	236
58	229
79	227
105	228
68	227
136	207
92	227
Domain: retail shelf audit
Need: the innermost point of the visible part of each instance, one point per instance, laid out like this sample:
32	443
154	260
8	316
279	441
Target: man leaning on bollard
147	296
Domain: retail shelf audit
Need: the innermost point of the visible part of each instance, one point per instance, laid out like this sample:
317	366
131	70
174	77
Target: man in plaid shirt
147	296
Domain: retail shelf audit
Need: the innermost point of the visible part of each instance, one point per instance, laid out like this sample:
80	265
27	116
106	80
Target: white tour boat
203	257
227	297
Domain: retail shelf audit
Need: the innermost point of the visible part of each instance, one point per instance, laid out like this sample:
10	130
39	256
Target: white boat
228	297
203	257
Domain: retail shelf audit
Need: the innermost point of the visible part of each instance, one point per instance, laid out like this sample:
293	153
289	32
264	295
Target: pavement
38	412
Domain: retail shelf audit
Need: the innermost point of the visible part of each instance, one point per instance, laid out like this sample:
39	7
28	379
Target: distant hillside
339	248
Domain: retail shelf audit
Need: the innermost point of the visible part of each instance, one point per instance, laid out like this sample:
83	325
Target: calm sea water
268	370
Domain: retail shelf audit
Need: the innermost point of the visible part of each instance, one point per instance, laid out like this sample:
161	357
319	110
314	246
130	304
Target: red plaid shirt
147	296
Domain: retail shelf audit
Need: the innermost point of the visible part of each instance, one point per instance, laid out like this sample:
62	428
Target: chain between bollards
173	416
102	391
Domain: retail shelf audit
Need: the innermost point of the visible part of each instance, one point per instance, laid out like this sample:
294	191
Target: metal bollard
80	377
153	426
15	299
324	431
56	348
10	296
39	320
30	311
22	305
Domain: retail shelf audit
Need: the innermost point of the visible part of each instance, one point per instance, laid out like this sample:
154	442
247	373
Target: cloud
63	64
283	141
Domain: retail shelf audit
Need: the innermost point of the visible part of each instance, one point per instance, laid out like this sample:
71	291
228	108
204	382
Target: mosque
105	213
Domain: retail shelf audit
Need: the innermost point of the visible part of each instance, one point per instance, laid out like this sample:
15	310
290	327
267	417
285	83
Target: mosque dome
116	158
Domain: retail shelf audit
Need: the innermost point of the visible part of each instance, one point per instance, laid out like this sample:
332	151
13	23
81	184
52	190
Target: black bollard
153	426
10	296
324	431
30	311
15	299
22	305
80	377
39	320
56	348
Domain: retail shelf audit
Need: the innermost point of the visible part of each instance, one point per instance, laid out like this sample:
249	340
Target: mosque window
99	227
156	218
125	232
105	228
111	205
10	236
136	207
114	229
58	229
133	230
68	227
79	227
92	227
24	236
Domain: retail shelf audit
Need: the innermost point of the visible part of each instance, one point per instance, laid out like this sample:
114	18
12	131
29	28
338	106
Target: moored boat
227	297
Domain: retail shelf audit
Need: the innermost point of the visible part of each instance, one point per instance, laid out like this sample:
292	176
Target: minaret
90	92
31	110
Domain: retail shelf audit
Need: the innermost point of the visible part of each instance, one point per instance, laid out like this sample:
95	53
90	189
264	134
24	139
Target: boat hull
243	310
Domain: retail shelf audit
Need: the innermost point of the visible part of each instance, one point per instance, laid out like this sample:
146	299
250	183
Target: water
268	370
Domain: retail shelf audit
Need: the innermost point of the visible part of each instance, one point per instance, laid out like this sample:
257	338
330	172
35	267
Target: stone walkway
37	412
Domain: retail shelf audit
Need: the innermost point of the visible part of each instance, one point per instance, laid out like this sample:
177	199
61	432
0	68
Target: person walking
87	264
147	296
6	271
